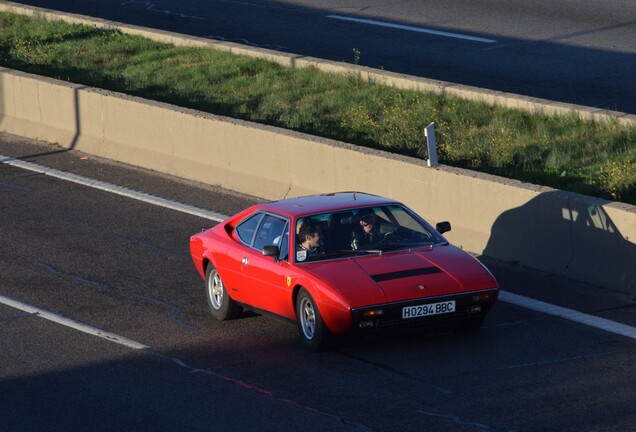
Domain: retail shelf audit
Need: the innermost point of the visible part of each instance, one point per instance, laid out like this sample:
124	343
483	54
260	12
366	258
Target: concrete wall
562	233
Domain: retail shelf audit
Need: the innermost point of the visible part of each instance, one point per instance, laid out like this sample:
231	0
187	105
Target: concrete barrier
563	233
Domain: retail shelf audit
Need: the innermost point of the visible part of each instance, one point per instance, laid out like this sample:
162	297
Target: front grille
391	318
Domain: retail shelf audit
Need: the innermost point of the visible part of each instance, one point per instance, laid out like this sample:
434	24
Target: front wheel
221	304
313	332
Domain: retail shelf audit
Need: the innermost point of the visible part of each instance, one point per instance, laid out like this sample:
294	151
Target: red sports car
341	263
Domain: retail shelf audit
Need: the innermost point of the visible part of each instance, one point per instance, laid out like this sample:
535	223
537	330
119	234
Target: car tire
313	332
220	303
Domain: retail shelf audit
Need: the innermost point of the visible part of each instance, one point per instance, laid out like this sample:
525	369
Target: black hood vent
405	273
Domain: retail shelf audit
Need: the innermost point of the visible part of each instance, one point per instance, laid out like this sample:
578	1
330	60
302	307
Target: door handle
245	261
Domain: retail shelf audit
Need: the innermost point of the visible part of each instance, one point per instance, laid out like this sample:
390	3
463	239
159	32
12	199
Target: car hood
401	276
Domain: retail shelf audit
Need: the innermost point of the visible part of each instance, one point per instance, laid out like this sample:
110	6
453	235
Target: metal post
431	145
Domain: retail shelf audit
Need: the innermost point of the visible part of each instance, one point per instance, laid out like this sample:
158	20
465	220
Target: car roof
314	204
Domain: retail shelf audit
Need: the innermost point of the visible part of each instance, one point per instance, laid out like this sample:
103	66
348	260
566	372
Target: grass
564	152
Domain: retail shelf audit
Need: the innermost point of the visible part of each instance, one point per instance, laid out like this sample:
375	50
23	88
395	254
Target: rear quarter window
247	228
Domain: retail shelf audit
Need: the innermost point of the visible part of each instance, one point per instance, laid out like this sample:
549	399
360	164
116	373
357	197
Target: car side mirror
272	251
443	227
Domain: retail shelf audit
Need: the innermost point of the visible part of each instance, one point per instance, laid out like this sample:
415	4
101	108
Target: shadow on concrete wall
567	234
78	123
73	131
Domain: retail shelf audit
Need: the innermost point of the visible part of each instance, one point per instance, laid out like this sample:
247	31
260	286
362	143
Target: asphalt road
574	51
122	266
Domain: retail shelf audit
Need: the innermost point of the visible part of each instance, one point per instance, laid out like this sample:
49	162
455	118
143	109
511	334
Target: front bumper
469	307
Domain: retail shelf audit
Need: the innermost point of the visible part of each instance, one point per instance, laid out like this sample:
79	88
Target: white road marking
413	29
94	331
455	419
152	7
114	189
569	314
518	300
67	322
561	360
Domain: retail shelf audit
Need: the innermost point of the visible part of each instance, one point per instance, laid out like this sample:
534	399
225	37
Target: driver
370	230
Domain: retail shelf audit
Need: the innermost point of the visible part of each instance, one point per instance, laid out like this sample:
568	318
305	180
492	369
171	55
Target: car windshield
362	231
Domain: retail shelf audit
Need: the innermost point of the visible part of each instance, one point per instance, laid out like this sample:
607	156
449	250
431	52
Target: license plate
428	309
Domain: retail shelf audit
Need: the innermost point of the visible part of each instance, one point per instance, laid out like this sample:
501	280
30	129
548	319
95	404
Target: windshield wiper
420	244
402	245
371	251
360	251
380	249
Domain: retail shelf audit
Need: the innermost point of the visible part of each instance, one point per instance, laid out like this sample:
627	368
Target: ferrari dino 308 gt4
339	264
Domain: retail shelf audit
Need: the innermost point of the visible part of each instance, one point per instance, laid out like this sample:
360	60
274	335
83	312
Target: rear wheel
221	304
313	332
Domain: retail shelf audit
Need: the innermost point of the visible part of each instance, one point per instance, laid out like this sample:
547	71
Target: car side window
247	228
283	244
269	230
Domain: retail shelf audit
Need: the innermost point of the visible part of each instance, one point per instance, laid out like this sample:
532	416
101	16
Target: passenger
309	243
